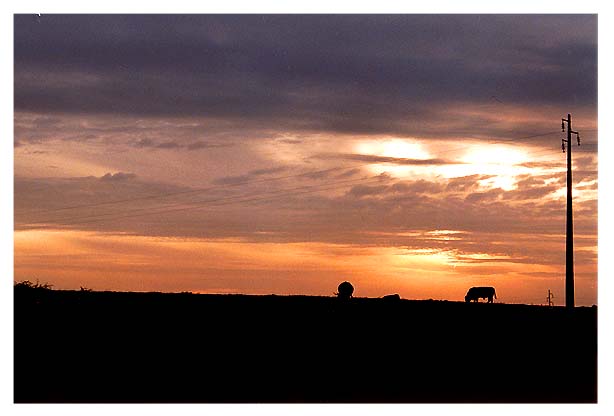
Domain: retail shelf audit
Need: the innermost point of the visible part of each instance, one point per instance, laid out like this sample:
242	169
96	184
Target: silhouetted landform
393	297
116	347
345	290
481	292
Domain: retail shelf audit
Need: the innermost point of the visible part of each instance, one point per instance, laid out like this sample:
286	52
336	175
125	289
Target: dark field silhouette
114	347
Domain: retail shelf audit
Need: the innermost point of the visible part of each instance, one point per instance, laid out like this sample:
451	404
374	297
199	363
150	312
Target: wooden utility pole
569	276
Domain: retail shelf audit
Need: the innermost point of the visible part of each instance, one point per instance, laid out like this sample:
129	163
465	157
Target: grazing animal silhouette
475	293
345	290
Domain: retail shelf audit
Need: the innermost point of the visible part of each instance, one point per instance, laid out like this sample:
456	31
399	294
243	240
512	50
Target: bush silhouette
27	285
32	292
345	290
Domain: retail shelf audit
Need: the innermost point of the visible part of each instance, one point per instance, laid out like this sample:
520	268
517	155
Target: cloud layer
362	74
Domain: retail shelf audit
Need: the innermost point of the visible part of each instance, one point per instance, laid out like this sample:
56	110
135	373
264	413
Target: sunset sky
258	154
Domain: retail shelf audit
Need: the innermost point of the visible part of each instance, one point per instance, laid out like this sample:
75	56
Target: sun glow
501	161
495	155
394	148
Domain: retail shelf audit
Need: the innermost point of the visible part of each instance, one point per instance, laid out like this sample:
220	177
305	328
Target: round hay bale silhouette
345	290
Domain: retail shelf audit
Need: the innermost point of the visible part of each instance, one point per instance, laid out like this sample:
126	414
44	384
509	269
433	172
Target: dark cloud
345	73
384	159
177	144
168	145
349	173
252	174
119	176
162	134
205	145
523	181
145	143
290	141
268	171
419	187
490	195
321	174
360	191
465	183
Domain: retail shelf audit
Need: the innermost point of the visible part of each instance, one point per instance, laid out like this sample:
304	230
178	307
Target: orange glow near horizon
71	259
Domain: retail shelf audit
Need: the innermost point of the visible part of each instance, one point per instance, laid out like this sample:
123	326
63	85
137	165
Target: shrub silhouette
27	285
345	290
32	292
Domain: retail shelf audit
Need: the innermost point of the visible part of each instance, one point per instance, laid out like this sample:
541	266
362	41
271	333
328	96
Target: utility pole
550	297
569	278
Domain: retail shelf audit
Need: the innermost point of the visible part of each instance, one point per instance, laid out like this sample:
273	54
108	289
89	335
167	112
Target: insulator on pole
562	125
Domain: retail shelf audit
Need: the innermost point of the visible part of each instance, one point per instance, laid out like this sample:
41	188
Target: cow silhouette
486	292
345	290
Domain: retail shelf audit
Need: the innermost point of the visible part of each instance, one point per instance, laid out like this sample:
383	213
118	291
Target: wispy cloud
383	159
118	176
177	144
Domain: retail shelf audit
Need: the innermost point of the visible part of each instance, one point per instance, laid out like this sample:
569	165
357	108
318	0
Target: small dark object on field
345	290
392	297
475	293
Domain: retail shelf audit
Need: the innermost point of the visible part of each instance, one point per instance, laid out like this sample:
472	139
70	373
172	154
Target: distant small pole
569	275
550	297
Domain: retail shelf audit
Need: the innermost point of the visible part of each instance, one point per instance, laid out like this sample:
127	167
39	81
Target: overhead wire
222	203
190	191
255	181
313	188
223	200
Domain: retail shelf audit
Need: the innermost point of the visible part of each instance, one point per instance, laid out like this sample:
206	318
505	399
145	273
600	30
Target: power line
194	191
191	191
270	195
199	190
214	202
257	199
